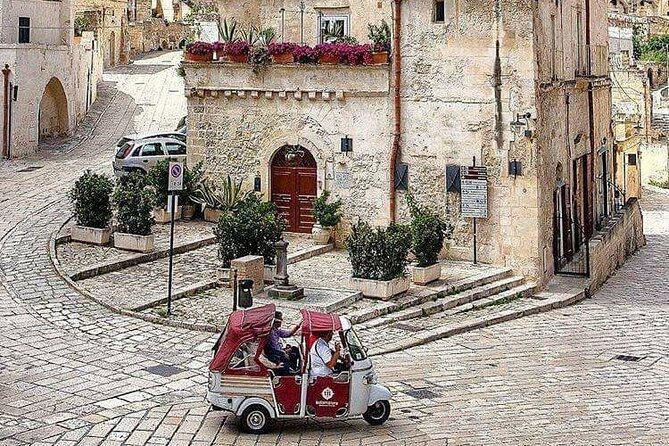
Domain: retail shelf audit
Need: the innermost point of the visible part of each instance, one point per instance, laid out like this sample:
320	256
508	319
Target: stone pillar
281	277
250	267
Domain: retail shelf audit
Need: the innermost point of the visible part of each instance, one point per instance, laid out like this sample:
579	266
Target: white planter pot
380	289
132	242
425	275
223	274
86	234
321	234
212	215
161	216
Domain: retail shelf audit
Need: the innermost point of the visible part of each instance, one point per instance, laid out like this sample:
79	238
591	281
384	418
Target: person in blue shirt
286	358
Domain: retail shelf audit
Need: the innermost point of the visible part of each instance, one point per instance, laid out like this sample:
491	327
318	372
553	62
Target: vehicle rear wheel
377	413
255	420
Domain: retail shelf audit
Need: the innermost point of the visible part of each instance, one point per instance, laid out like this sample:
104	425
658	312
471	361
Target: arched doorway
53	116
293	182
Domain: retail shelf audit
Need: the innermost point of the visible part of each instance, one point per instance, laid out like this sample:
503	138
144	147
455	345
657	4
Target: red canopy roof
242	326
313	321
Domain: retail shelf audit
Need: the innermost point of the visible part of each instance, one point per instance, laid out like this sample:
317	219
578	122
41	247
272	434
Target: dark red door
294	187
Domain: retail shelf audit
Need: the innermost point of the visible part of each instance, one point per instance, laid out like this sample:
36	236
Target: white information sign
176	177
474	192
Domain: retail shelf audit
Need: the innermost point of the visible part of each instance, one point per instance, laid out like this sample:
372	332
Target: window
153	149
174	148
439	15
24	29
333	28
244	357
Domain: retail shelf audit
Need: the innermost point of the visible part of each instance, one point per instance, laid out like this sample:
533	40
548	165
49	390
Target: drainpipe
397	133
592	199
5	115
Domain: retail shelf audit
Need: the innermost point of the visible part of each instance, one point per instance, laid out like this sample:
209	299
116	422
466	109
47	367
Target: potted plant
228	33
282	53
305	54
133	200
259	58
328	53
238	51
252	229
327	216
379	35
192	180
91	200
158	177
379	258
428	232
215	202
218	51
199	52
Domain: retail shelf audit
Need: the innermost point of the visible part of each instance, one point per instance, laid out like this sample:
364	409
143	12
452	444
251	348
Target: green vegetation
327	214
379	253
134	200
91	200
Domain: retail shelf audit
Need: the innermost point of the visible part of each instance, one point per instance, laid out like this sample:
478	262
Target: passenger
286	358
323	360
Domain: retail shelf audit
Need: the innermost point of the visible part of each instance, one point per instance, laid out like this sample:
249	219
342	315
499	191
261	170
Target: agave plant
250	35
226	198
228	30
266	36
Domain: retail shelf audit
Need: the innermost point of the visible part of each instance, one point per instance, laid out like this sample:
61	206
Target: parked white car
180	136
142	154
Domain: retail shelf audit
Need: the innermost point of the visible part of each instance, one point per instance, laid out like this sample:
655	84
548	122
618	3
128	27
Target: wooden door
294	187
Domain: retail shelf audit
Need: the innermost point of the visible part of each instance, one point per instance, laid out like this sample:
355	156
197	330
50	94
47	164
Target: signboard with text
474	191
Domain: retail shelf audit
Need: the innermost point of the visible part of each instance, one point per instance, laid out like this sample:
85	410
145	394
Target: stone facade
463	82
108	19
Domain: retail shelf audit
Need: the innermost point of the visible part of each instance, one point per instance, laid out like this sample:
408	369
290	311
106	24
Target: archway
294	186
53	116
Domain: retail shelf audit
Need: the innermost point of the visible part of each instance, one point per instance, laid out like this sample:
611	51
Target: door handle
145	161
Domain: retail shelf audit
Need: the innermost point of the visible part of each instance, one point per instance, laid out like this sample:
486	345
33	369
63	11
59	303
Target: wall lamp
346	144
521	123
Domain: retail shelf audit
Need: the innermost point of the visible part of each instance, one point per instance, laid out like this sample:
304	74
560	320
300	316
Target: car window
124	150
244	357
355	347
136	151
152	149
175	149
121	142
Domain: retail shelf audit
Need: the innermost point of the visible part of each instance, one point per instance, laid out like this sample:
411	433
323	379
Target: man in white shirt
323	359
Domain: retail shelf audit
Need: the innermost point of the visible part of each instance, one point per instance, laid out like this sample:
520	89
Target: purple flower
238	48
305	54
199	48
281	48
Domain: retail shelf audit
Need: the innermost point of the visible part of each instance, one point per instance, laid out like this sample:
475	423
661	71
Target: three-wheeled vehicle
241	383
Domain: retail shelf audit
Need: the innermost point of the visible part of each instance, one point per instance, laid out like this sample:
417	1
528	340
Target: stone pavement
73	373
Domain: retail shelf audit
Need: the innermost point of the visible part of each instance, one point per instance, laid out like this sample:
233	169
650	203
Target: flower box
328	59
380	289
321	235
283	58
161	216
212	215
86	234
199	57
425	275
238	58
379	58
133	242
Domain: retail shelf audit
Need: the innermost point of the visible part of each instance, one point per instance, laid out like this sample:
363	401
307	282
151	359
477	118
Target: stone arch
53	111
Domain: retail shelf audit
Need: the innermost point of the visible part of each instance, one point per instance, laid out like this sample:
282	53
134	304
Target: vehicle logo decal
327	393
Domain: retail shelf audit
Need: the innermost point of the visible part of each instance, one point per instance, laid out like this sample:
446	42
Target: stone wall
610	248
155	34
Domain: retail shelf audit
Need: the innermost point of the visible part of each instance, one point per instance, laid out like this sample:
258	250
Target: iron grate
422	394
628	358
163	370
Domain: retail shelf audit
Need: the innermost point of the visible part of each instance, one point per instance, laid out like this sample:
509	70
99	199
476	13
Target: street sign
474	192
176	177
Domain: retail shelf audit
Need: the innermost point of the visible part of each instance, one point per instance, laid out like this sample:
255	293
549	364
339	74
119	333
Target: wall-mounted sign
474	191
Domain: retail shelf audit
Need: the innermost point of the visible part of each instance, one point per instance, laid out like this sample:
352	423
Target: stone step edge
450	301
180	294
308	253
138	259
427	294
515	293
463	327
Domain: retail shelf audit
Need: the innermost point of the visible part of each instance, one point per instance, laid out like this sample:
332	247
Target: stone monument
282	288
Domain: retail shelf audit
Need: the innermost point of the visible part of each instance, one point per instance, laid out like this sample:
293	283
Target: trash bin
245	294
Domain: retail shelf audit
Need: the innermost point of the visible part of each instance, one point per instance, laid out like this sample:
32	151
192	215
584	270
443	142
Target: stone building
155	25
522	83
49	82
108	19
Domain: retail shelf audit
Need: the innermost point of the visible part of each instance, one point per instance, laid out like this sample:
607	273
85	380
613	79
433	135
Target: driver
322	359
287	357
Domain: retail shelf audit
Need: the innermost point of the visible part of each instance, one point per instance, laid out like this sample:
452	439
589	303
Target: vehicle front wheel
377	413
255	420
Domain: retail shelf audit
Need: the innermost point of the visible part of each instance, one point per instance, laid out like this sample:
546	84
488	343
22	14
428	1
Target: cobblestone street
73	372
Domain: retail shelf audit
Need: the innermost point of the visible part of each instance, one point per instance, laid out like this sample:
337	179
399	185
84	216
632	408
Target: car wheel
377	413
255	420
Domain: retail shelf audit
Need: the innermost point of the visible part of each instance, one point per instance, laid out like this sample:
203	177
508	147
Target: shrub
199	48
134	201
238	48
305	54
379	35
252	229
428	232
192	180
158	177
219	47
327	214
379	253
91	199
259	57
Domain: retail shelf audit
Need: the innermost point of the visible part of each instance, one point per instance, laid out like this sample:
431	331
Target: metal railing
575	262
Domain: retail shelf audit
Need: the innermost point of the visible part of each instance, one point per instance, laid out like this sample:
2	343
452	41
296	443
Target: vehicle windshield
123	152
355	347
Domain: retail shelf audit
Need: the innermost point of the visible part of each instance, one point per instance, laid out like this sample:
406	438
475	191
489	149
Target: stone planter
321	235
283	58
133	242
86	234
425	275
161	216
379	58
380	289
212	215
198	57
238	58
187	212
328	59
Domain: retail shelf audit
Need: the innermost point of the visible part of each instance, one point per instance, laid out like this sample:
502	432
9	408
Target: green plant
252	229
428	232
664	184
91	199
379	253
226	198
250	35
266	36
181	70
158	177
193	178
134	200
346	39
379	35
327	214
81	24
228	31
259	57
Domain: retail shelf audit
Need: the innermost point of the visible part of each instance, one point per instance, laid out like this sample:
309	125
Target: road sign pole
169	280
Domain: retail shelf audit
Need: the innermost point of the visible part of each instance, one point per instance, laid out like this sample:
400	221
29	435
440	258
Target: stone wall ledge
303	80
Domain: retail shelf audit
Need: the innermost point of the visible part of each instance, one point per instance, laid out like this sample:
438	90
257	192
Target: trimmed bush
91	199
428	231
158	177
252	229
134	202
379	253
327	214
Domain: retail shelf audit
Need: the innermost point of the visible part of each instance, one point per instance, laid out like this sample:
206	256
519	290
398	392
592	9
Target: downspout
593	151
5	114
397	133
